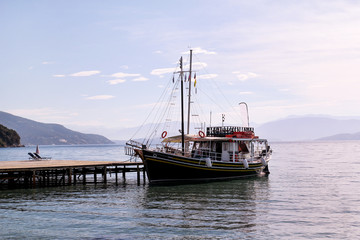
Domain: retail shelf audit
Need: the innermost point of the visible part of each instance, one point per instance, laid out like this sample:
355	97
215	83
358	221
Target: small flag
185	77
195	80
189	77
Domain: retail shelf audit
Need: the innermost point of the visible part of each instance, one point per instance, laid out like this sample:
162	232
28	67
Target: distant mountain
9	137
36	133
345	136
307	128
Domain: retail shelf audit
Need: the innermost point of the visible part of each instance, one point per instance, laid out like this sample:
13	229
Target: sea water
311	193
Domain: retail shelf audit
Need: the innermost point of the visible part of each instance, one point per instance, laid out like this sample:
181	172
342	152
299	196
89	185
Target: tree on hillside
8	137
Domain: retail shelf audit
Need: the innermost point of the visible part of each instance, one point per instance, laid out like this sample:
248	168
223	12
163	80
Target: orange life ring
163	135
201	134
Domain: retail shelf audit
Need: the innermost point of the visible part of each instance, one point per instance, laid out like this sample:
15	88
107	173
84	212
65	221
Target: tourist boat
217	153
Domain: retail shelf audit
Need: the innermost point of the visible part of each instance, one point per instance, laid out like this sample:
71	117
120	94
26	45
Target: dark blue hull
163	167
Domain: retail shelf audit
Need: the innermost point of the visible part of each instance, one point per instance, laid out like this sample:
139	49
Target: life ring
201	134
163	135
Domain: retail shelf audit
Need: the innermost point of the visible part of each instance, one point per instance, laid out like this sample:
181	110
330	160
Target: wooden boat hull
162	167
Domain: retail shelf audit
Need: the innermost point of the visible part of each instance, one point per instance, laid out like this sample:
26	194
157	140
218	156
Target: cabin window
218	147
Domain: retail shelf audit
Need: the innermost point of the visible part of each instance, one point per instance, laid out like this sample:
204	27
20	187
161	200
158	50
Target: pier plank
48	164
44	173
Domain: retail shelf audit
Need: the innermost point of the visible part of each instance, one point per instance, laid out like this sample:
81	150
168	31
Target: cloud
58	75
140	79
46	63
123	75
162	71
44	114
206	76
246	93
198	66
84	73
100	97
199	50
284	90
245	76
116	81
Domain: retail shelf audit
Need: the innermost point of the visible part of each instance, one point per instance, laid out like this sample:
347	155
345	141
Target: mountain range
36	133
294	128
303	128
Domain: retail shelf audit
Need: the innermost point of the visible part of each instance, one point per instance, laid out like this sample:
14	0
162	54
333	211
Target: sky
100	66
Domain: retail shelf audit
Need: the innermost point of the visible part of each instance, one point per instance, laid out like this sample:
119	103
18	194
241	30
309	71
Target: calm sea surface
313	192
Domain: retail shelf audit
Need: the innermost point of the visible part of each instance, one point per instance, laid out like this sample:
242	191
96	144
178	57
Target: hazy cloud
245	93
100	97
123	75
116	81
59	75
84	73
206	76
44	114
199	50
198	66
140	79
162	71
245	76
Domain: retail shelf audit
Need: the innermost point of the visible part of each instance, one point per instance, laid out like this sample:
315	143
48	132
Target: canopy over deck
196	138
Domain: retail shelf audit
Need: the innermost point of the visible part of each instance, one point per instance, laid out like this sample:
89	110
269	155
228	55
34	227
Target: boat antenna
189	100
247	113
182	107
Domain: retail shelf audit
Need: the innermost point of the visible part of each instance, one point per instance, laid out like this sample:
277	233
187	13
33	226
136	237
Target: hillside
36	133
9	137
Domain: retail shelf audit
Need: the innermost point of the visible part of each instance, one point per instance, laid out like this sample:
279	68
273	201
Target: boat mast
182	108
189	100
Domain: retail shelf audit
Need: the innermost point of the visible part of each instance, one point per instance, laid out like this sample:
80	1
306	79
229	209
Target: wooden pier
44	173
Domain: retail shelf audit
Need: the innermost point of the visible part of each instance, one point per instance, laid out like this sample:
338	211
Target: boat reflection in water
222	208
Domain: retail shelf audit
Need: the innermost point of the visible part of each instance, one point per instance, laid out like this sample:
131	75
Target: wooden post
69	171
33	178
48	178
104	174
116	175
95	176
42	178
138	174
144	176
84	175
56	174
74	173
123	173
11	179
63	176
26	179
